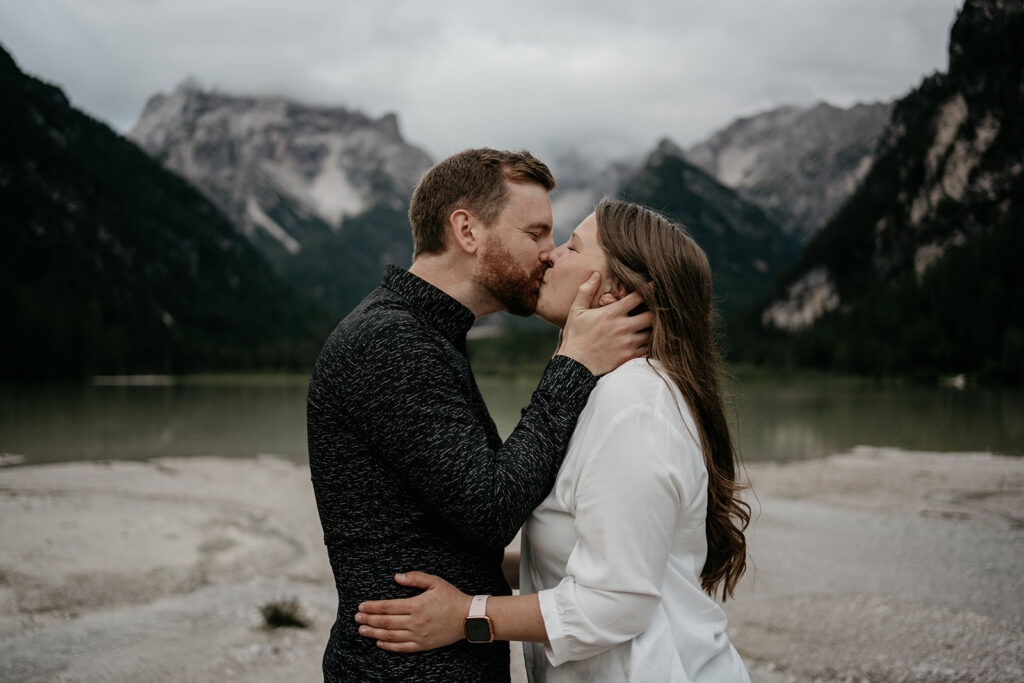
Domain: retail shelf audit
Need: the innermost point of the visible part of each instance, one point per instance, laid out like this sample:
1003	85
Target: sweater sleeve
425	430
628	499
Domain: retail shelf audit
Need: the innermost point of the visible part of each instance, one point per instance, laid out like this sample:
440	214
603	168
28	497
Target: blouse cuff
557	647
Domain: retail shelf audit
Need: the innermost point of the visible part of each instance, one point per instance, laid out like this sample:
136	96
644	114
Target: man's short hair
475	180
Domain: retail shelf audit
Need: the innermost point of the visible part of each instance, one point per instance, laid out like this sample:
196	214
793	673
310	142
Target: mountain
798	163
582	182
111	264
920	271
323	192
747	249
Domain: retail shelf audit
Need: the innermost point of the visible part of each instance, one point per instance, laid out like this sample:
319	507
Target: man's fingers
402	606
585	293
626	303
641	321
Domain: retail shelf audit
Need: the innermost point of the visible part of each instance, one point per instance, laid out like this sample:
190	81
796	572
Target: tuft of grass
283	613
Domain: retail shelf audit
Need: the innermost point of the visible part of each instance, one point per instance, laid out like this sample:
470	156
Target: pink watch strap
478	608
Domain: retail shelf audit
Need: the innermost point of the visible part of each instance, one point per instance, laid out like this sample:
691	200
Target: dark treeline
112	265
965	312
962	317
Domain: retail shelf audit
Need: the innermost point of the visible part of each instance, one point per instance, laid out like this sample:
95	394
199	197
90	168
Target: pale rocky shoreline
873	565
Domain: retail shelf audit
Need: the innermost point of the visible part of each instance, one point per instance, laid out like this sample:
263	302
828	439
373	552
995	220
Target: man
407	466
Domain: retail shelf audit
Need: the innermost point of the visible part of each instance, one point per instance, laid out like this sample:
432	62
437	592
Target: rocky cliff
798	163
920	270
321	191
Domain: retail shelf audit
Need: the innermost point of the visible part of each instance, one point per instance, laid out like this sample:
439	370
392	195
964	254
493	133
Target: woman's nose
549	256
557	252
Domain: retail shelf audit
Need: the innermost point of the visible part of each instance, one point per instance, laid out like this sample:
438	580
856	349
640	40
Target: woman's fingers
385	621
400	647
386	635
429	620
417	579
390	633
402	606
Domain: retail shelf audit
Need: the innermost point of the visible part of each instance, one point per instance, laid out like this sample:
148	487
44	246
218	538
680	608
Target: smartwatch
477	625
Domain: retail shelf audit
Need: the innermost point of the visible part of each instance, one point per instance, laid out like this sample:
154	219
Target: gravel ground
884	565
874	565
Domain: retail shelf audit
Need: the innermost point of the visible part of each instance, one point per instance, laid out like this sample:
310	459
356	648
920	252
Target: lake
777	416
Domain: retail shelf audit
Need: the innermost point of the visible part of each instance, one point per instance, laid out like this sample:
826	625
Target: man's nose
549	252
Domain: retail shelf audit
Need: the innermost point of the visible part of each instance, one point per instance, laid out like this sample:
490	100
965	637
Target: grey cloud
546	76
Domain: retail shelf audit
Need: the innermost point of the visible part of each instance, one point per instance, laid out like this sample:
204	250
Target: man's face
516	248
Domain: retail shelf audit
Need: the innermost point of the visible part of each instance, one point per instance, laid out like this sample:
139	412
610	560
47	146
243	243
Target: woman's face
575	261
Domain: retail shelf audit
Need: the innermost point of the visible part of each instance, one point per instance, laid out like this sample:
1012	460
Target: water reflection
777	417
795	417
780	418
237	416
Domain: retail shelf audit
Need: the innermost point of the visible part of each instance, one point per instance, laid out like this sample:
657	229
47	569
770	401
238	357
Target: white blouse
616	549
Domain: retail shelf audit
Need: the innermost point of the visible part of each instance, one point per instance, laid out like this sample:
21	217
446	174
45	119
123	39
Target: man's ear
464	230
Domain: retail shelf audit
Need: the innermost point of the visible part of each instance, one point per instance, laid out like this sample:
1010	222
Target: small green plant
284	613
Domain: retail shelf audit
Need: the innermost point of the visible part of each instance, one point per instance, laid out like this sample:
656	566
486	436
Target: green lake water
776	416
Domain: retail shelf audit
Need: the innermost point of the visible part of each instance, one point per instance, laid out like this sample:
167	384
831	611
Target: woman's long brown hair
656	257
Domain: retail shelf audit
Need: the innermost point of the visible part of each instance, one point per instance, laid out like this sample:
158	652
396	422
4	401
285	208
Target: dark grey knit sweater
410	473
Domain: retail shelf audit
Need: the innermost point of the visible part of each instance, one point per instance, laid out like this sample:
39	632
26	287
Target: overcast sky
548	76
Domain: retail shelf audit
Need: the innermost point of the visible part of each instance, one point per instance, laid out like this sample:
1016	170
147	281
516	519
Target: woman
643	526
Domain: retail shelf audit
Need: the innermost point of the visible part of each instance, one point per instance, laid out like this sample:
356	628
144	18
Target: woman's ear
614	294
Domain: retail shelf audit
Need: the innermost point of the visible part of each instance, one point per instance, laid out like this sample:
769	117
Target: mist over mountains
881	238
323	192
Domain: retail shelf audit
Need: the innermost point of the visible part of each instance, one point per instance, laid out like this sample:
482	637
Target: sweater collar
442	311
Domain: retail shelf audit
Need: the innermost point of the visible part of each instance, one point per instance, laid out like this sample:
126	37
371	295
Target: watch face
478	629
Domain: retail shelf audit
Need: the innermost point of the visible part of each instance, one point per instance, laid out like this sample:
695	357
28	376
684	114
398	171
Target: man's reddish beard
515	288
